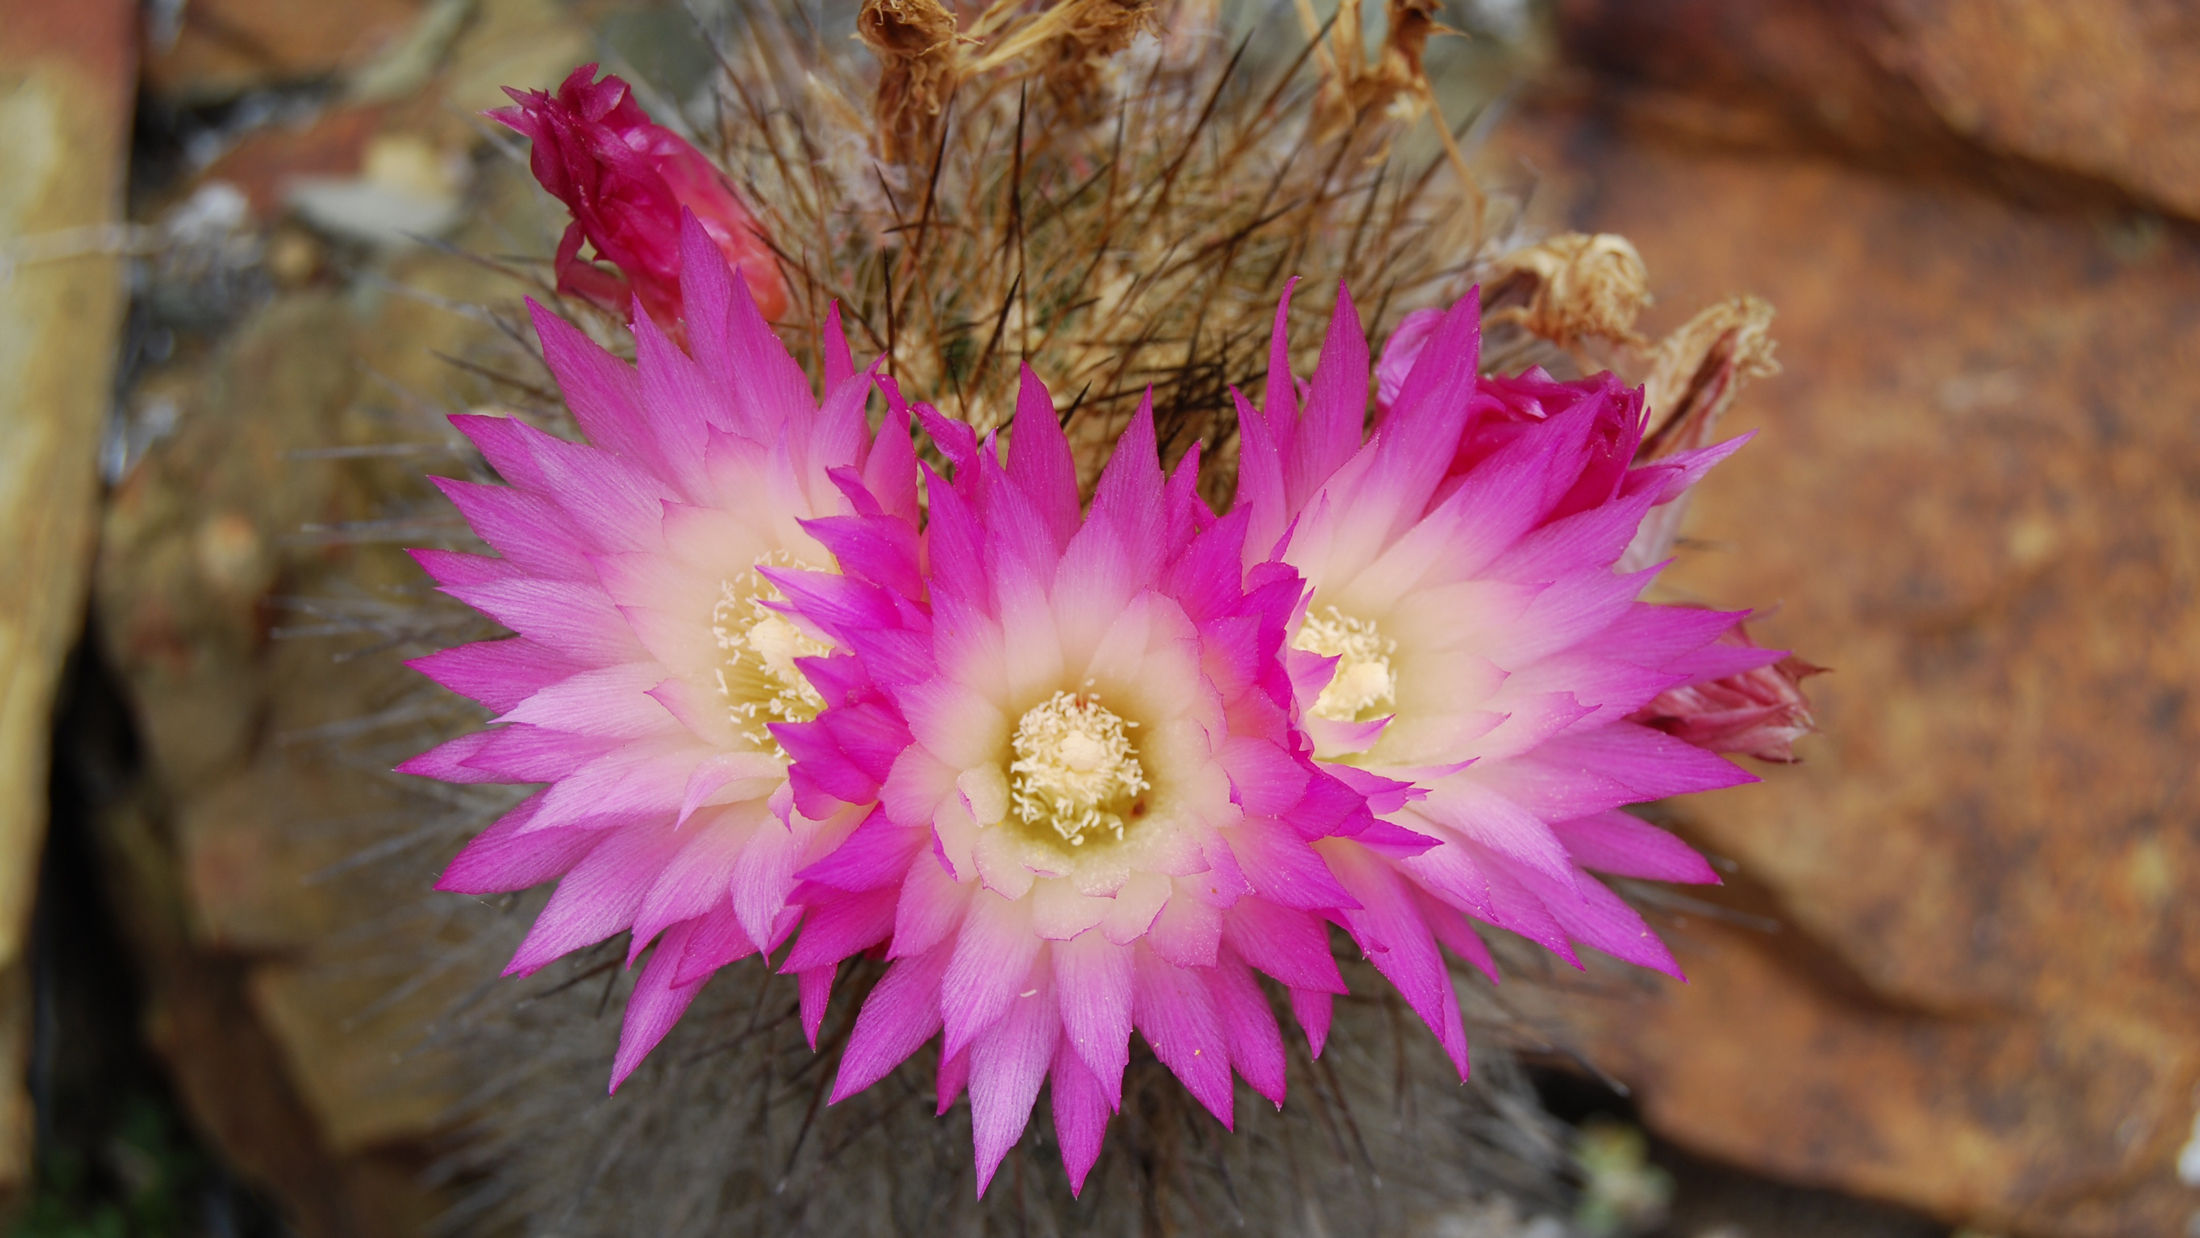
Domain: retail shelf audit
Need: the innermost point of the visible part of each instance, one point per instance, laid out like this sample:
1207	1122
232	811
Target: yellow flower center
1362	680
758	676
1075	768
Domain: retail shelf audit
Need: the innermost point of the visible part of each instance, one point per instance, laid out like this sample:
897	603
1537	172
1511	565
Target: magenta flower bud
1756	710
626	180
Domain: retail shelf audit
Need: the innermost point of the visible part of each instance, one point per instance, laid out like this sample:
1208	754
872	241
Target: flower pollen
1074	768
759	678
1363	677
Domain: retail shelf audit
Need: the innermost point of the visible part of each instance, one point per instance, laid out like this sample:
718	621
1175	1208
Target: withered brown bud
1574	286
1091	33
1696	372
1372	99
1411	24
920	64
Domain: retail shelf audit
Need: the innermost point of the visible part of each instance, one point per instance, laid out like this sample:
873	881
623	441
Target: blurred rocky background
1952	984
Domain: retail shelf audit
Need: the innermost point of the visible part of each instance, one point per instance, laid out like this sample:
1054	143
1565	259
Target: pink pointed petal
1279	402
1458	936
1130	491
1399	942
504	857
993	955
1400	352
901	1013
931	907
526	528
1336	407
452	760
877	855
1007	1065
1627	846
1039	461
575	621
1284	870
951	1081
497	673
840	364
655	1005
690	885
1187	931
890	472
1650	764
815	989
1249	1028
1289	945
597	898
1081	1109
1093	977
762	878
1312	1010
716	941
836	929
1177	1017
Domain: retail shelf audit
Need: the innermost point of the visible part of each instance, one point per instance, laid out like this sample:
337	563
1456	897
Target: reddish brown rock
220	48
1974	497
2110	88
2046	98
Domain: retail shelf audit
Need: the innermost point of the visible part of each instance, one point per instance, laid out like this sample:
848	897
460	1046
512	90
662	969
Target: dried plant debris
1570	287
1696	372
921	63
1044	187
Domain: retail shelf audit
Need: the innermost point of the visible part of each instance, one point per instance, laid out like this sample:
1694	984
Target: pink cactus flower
650	658
1467	634
626	178
1094	813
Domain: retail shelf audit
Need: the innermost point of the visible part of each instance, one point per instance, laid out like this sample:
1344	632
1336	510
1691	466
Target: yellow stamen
1363	678
1074	768
759	678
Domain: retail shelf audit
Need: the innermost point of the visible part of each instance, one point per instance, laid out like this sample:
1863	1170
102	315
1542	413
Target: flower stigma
1074	768
758	676
1363	678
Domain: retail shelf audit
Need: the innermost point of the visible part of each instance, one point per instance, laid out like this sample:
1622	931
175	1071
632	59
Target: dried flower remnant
1138	252
921	62
1094	32
1073	44
1573	286
1365	104
626	180
1373	97
1695	374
